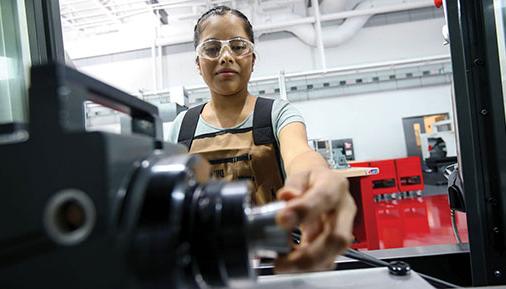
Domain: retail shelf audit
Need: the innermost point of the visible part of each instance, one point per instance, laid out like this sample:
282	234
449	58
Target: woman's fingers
319	248
312	256
325	191
320	202
294	187
345	215
311	230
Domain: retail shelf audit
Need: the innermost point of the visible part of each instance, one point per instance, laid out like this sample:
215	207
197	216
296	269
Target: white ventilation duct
332	6
301	26
332	35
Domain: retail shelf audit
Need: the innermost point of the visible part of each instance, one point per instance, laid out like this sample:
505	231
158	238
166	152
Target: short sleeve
173	131
283	113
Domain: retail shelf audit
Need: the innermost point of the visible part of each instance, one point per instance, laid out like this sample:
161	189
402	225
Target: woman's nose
226	56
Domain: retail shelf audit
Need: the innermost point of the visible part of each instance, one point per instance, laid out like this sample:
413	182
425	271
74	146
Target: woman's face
226	75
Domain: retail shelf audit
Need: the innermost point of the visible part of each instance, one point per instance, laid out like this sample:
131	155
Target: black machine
97	210
85	209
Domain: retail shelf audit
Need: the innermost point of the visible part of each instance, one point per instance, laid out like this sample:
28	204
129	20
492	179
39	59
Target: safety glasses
213	48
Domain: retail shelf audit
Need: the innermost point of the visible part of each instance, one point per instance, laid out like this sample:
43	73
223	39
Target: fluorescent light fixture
6	68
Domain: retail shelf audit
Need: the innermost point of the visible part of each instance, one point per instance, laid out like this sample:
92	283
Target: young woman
247	137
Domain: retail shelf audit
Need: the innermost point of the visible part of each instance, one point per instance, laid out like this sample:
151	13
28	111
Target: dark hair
221	10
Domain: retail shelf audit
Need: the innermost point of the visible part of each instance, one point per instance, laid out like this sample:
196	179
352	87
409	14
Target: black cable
364	258
375	262
454	227
438	283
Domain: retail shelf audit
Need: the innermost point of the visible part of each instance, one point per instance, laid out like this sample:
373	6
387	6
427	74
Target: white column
282	85
318	29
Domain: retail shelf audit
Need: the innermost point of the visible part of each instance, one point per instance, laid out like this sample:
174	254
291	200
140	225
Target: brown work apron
242	154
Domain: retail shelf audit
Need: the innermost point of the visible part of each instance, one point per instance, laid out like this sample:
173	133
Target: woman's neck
229	110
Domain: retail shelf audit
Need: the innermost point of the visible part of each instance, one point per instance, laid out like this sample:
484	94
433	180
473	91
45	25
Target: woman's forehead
223	27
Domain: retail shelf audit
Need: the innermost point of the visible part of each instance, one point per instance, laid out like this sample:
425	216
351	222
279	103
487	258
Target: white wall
127	74
372	44
391	42
373	121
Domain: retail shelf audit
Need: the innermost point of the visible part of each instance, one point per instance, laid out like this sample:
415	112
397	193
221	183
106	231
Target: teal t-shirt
283	113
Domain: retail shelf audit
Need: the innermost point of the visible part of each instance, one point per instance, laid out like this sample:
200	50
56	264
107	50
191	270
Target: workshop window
14	61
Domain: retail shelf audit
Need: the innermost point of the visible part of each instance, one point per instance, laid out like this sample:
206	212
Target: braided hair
220	11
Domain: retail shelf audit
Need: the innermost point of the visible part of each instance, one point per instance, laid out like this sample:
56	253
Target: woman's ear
253	62
197	65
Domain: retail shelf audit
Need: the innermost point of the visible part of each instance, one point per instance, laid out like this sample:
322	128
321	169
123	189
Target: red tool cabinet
395	175
409	174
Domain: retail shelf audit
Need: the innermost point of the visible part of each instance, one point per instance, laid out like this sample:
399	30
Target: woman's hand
320	203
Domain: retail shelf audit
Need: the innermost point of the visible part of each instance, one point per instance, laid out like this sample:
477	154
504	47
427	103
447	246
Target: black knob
399	268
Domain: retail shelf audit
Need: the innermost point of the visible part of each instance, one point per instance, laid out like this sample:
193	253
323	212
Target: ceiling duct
332	35
332	6
300	24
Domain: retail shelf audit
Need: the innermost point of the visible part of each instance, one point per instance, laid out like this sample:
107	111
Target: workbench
358	172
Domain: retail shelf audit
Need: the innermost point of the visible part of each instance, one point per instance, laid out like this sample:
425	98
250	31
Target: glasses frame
224	43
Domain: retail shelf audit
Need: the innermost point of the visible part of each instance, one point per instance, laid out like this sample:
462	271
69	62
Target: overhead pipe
267	28
319	35
335	36
332	36
333	6
153	56
379	10
305	31
349	28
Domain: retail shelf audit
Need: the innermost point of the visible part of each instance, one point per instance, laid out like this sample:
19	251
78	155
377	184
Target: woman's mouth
226	72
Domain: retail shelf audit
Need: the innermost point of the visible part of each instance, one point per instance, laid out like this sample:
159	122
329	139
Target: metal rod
153	57
159	62
319	36
282	85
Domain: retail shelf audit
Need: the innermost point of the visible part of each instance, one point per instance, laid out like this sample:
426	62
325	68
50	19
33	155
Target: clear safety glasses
213	48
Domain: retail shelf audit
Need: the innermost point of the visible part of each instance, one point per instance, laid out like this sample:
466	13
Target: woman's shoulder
179	118
284	113
281	103
282	107
175	126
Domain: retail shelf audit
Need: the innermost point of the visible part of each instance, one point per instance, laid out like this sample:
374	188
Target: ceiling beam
107	11
160	13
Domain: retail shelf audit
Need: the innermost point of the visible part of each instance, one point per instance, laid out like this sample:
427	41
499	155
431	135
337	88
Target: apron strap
189	125
262	122
262	128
